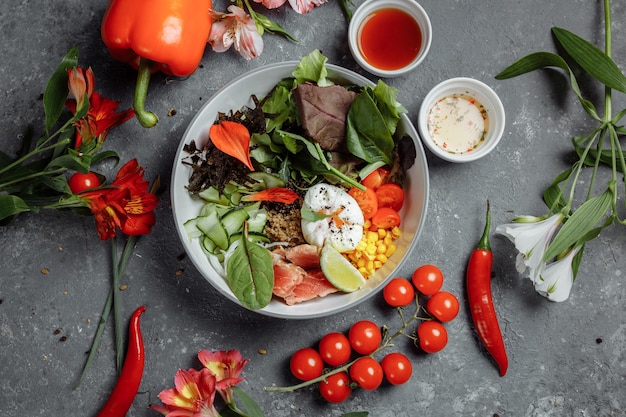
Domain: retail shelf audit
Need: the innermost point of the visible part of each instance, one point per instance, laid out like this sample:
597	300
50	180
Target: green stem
146	118
29	155
96	340
335	171
31	176
119	266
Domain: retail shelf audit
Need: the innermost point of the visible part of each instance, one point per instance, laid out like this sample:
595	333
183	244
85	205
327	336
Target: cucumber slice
252	237
211	226
212	195
191	228
234	219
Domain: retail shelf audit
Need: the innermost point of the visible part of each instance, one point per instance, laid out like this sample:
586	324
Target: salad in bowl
300	188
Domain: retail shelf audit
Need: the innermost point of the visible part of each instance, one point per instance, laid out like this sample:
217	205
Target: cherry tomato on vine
367	201
366	372
399	292
306	364
432	336
80	182
376	178
365	337
443	306
386	218
336	388
428	279
390	195
335	349
397	368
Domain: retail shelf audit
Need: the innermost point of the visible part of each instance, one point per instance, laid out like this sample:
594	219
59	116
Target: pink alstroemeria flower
226	367
300	6
193	395
235	28
100	117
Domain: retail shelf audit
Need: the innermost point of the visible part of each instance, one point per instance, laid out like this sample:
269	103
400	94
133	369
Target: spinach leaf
367	134
250	274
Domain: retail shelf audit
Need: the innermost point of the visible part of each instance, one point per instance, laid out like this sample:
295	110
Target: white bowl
465	143
237	94
363	13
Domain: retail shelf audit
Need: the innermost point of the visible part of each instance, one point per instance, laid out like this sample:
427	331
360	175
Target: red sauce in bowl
389	39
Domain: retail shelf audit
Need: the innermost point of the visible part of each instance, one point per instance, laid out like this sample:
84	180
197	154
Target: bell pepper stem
146	118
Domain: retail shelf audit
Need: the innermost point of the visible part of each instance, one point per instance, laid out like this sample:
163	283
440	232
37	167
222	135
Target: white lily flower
556	279
531	236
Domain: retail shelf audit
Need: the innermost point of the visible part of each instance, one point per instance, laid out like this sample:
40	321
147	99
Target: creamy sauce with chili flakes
457	123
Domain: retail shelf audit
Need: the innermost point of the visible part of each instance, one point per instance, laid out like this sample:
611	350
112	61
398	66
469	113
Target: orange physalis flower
277	194
233	139
126	204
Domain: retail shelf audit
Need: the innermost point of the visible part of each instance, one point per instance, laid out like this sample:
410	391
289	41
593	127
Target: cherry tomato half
376	178
80	182
367	373
335	349
364	337
336	388
367	201
306	364
427	279
397	368
399	292
432	336
386	218
390	195
443	306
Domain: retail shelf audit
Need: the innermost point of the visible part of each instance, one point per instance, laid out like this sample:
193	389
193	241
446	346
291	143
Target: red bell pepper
162	35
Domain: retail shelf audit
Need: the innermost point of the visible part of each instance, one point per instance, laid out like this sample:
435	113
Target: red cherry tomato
432	336
80	182
367	201
399	292
367	373
335	349
428	279
376	178
386	218
397	368
306	364
336	388
443	306
364	337
390	195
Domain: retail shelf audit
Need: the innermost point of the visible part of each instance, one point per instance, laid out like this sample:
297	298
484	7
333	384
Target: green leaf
249	403
312	68
553	196
540	60
367	134
10	206
593	60
250	274
580	223
385	98
56	91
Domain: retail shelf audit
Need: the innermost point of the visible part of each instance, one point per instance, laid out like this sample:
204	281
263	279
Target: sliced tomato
366	199
376	178
386	218
390	195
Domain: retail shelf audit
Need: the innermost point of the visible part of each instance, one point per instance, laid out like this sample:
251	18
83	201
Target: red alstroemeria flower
300	6
193	395
226	366
100	117
126	204
235	28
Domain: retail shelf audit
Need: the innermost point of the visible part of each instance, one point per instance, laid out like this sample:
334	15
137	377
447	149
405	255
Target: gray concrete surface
566	359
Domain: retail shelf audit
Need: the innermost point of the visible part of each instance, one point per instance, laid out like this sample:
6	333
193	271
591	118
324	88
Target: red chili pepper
481	302
128	383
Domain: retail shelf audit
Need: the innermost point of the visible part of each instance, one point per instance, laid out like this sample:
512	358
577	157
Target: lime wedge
339	271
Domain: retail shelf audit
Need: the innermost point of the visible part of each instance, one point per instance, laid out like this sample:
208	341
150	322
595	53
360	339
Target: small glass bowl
363	13
488	101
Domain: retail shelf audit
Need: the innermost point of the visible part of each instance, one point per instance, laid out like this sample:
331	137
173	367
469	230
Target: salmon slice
305	255
286	276
312	286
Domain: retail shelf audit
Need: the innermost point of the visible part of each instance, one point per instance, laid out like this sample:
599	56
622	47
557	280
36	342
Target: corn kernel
371	248
382	248
381	257
372	237
370	266
377	264
363	272
391	250
382	233
360	263
396	232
